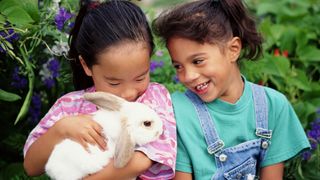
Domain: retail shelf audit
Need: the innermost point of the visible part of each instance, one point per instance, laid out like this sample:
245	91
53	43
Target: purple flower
35	108
49	83
9	36
314	133
12	36
50	71
53	66
61	18
1	49
314	137
175	79
18	81
306	155
155	64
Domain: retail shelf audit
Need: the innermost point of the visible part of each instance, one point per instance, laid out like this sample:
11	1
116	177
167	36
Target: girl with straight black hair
110	49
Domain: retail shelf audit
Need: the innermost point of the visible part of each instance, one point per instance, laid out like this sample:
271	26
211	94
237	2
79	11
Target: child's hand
83	129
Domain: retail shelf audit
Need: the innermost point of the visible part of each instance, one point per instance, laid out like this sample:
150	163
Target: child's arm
273	172
182	176
136	166
79	128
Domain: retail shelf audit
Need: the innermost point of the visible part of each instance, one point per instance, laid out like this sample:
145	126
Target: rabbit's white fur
125	124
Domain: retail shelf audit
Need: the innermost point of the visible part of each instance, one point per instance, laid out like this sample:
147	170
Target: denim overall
240	161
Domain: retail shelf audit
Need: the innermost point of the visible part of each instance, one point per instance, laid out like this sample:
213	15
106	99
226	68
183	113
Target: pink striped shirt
161	151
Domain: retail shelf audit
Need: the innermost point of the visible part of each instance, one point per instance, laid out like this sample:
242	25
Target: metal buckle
217	146
265	133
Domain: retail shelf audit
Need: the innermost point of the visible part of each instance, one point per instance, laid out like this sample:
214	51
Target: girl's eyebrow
191	57
112	78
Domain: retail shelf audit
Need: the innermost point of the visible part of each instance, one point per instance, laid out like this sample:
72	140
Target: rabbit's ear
105	100
124	147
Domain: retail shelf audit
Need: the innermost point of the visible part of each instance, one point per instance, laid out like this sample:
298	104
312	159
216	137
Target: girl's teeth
202	86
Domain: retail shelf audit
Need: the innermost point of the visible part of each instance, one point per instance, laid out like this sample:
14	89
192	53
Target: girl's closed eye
113	83
141	79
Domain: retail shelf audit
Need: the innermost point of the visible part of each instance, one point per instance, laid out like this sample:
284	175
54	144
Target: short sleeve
54	114
288	138
163	150
183	162
69	104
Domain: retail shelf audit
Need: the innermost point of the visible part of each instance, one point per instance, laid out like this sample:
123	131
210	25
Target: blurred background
34	70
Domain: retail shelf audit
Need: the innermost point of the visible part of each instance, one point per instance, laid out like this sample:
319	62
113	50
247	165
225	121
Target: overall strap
261	111
213	141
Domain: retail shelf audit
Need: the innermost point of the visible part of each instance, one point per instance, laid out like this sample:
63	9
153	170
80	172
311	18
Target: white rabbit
125	125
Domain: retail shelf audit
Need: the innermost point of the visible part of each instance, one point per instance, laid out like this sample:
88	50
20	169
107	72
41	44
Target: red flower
276	52
285	53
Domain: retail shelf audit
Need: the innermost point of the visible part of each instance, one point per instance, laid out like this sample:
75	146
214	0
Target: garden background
34	69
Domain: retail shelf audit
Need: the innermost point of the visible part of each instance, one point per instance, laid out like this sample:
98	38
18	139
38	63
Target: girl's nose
190	75
129	94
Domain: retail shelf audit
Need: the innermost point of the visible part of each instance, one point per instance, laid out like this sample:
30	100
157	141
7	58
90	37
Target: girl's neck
235	90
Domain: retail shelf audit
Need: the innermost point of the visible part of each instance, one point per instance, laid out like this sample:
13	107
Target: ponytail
80	79
244	27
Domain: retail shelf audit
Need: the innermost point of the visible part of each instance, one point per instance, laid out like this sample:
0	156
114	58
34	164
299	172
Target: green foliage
291	64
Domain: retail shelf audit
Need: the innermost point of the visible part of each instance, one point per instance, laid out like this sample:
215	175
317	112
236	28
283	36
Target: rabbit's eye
147	123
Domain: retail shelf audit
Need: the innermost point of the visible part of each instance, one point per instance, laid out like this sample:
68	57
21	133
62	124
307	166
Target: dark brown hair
209	21
100	26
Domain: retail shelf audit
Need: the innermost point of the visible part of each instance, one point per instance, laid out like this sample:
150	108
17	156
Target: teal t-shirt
235	123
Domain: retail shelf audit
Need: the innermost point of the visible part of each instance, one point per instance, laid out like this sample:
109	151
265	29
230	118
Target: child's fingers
99	137
97	128
100	140
84	144
89	138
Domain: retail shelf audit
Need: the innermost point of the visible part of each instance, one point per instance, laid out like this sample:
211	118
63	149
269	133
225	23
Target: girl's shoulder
275	96
272	94
277	101
155	92
155	87
73	99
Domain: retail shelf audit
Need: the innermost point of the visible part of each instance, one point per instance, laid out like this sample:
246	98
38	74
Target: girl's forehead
124	60
126	45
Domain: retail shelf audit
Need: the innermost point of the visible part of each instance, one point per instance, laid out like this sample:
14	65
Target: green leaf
302	39
265	29
31	7
2	20
7	96
300	80
267	7
309	53
5	4
287	40
276	31
278	66
18	16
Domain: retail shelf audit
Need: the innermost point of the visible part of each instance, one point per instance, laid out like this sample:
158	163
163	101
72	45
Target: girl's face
206	69
122	70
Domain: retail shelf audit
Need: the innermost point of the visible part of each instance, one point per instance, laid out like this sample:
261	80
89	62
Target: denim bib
243	160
